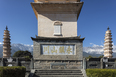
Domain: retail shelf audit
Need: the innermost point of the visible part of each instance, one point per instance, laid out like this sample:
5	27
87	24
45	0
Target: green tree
89	57
101	56
25	54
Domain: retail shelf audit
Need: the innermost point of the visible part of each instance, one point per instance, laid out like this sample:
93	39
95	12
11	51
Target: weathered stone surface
54	1
59	73
73	61
16	62
39	56
57	41
48	13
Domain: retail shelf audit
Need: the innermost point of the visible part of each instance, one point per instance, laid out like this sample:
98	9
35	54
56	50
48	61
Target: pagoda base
60	53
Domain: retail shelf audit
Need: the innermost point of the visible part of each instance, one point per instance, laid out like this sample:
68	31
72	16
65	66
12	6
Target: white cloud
97	49
1	43
94	45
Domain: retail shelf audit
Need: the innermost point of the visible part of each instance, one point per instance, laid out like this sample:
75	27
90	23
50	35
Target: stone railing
17	62
101	63
58	64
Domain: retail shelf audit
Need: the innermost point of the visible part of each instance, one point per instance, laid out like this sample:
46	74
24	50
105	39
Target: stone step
58	73
58	76
59	69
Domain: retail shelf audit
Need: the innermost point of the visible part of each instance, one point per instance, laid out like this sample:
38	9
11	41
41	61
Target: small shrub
14	71
101	72
1	71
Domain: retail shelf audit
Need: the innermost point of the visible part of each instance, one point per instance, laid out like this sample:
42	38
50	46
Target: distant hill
94	50
88	54
17	47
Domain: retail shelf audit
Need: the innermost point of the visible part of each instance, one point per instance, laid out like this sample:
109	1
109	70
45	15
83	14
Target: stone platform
49	50
58	73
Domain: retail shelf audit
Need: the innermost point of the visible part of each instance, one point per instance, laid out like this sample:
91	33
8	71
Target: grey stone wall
70	64
44	61
38	56
17	62
99	63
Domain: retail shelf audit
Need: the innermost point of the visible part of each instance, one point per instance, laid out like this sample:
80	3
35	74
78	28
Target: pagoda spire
108	44
6	44
6	27
108	28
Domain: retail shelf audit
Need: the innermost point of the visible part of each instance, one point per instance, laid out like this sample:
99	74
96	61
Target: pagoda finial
6	27
108	28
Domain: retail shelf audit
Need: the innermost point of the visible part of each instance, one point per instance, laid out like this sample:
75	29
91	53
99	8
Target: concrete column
32	64
101	61
2	62
17	62
84	63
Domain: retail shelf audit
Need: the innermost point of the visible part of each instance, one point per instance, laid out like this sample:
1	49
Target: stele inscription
58	49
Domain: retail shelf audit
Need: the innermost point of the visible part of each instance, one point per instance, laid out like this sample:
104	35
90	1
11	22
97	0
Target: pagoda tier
108	44
6	45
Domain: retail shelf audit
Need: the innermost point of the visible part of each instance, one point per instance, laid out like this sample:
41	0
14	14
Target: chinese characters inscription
58	49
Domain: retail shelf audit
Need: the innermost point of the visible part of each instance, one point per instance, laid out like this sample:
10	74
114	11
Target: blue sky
95	17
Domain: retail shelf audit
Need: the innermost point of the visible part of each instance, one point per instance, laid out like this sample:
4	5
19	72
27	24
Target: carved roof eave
54	2
58	38
58	0
36	12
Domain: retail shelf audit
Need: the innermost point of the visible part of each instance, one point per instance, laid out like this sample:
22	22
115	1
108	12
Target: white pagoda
108	44
6	45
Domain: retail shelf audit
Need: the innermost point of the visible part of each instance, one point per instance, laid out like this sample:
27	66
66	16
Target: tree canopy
94	57
25	54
